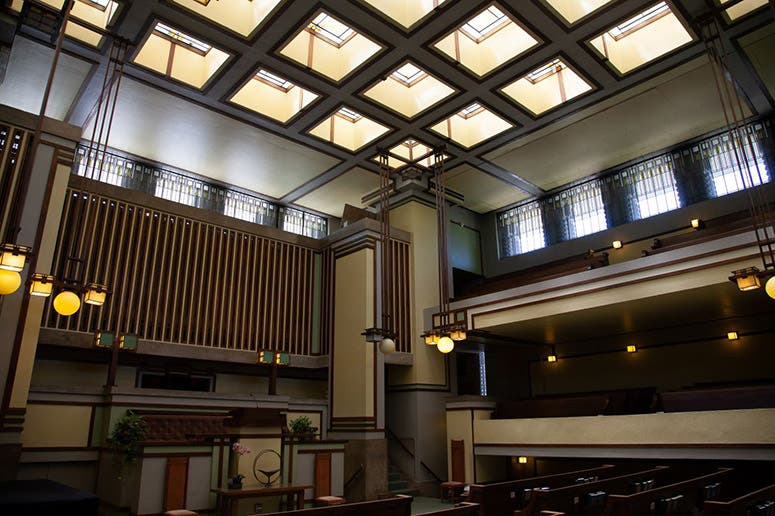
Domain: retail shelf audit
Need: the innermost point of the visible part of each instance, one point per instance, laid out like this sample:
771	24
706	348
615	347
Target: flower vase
235	485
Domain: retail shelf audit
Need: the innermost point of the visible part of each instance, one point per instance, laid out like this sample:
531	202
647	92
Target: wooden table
226	503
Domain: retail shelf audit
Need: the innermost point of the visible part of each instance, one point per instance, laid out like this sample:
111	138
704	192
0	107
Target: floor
422	504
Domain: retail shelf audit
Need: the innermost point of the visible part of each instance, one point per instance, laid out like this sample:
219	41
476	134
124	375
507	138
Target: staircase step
397	485
408	492
394	476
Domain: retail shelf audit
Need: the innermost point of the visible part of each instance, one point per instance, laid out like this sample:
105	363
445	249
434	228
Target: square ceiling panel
349	188
272	95
409	90
573	11
471	125
548	86
330	47
407	13
488	40
410	151
347	128
241	16
482	192
97	13
642	38
759	46
742	8
179	56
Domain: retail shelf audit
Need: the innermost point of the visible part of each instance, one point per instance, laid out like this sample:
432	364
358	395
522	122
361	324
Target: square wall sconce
732	335
104	339
631	348
127	342
617	244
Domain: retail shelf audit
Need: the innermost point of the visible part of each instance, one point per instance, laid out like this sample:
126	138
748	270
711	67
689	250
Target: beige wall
420	221
56	425
750	426
353	360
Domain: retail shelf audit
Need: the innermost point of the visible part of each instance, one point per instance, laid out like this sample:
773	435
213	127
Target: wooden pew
682	498
723	398
548	270
572	406
401	505
504	497
741	506
589	498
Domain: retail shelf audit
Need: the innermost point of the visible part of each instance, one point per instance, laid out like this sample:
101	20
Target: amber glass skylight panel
349	129
411	150
240	16
274	96
574	10
642	38
180	56
329	47
410	90
85	14
740	9
484	23
406	13
471	126
408	74
182	38
330	29
487	40
546	87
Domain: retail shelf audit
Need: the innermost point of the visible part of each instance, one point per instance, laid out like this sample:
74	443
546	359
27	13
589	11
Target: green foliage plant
126	435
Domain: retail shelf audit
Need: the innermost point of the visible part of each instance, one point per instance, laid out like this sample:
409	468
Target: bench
750	504
548	270
590	498
401	505
729	398
678	499
552	407
504	497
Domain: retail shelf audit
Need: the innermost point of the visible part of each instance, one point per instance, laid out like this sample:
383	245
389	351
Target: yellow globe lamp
446	344
769	287
9	281
67	303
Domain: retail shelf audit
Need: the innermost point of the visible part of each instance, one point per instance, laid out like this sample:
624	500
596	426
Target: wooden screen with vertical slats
13	150
181	280
400	306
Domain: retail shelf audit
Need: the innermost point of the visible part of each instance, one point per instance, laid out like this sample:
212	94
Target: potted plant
235	482
126	435
302	427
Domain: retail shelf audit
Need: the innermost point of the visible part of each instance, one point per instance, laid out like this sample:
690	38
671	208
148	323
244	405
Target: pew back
505	497
740	506
401	505
589	498
681	498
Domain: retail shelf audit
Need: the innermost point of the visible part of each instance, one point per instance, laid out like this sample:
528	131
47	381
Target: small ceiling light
12	257
617	244
95	294
9	281
41	285
631	348
697	223
523	460
67	303
732	335
446	344
551	358
387	346
746	279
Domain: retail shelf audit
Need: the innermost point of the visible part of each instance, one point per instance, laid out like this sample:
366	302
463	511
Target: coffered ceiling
291	99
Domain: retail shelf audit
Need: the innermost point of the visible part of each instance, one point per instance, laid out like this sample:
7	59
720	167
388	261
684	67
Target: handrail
358	472
392	435
431	471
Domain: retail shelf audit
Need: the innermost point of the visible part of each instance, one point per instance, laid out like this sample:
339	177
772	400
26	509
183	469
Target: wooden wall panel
180	280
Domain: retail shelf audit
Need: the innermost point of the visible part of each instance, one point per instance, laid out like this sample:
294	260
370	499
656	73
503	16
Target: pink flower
239	449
